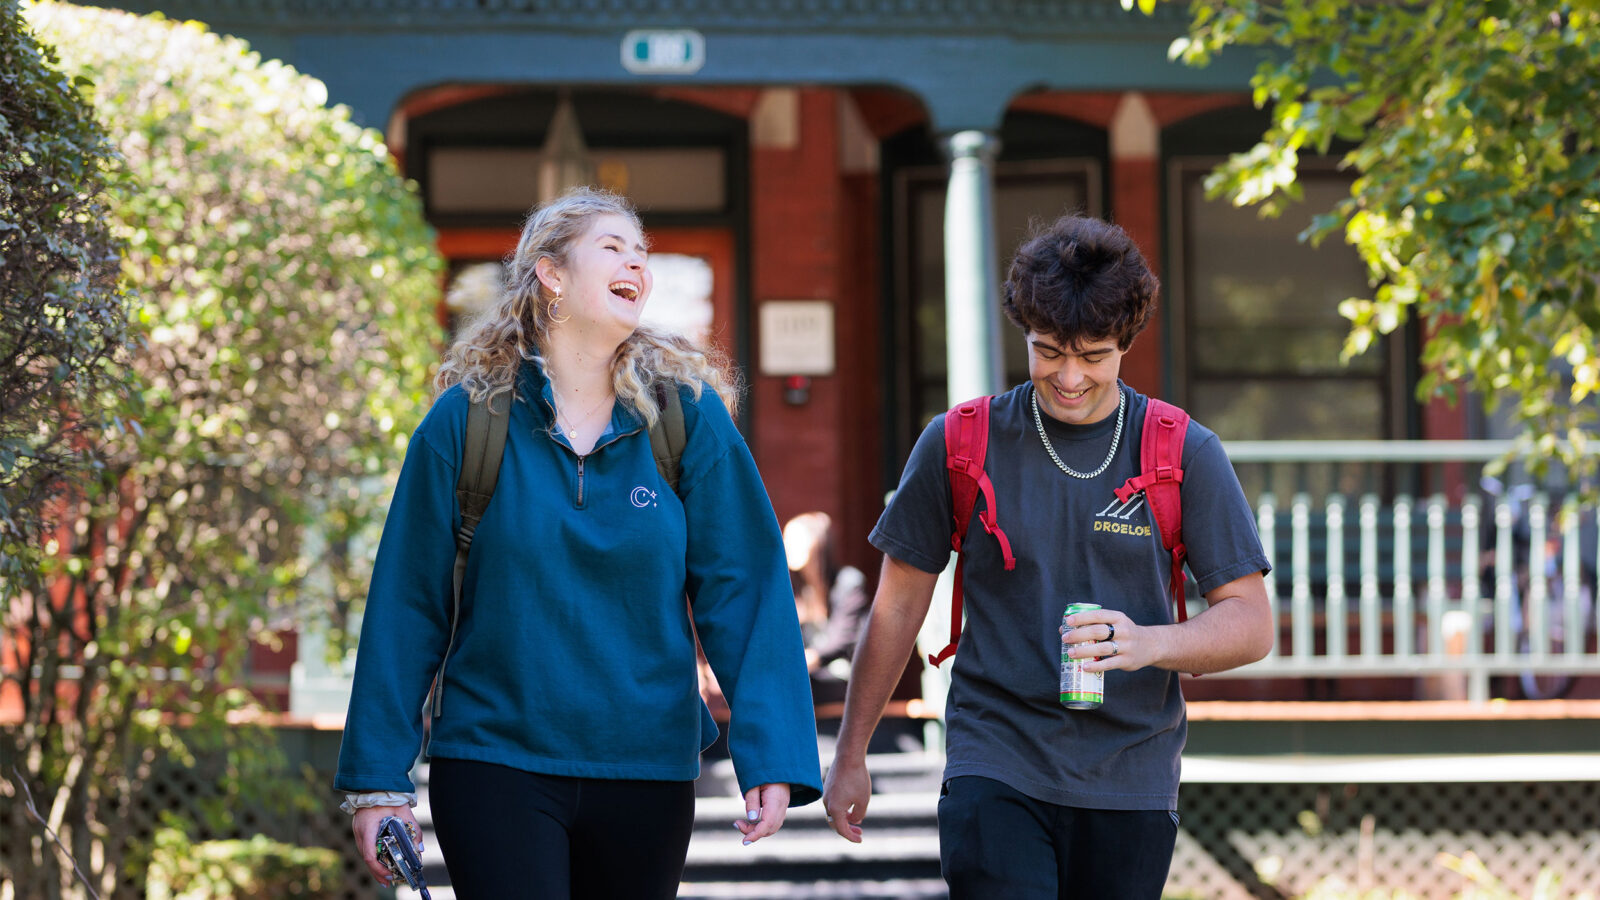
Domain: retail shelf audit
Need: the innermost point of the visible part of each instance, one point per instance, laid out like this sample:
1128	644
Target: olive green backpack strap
667	435
480	468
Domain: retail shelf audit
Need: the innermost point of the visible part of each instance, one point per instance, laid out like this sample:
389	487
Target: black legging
510	833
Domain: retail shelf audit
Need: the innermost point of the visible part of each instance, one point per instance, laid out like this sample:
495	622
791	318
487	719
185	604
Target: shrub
286	281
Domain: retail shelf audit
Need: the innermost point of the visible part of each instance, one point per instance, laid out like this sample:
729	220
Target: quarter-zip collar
533	381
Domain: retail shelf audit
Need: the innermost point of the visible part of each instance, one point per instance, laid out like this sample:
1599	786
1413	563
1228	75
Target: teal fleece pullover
574	654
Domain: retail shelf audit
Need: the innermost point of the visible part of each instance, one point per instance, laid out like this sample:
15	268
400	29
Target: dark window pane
1242	409
1021	198
1262	332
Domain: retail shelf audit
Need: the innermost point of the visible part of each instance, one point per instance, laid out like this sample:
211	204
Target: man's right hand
846	790
904	593
365	824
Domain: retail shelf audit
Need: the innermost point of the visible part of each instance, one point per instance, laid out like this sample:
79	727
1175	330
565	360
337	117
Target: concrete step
892	889
898	857
884	810
890	846
892	773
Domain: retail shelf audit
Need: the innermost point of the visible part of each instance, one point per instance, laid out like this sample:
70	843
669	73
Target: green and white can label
1079	689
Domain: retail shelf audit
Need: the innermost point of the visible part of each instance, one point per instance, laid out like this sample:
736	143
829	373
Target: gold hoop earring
554	308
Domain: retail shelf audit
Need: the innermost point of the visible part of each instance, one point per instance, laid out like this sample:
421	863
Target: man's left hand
1108	639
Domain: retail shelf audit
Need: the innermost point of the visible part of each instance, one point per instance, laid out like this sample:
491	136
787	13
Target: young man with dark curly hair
1039	800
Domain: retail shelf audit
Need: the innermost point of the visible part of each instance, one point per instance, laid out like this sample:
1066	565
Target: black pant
998	842
507	833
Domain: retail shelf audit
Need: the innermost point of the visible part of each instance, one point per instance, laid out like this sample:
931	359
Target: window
489	180
1024	192
680	298
1257	352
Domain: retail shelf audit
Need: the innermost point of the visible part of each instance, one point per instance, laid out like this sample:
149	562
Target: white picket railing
1382	588
1418	613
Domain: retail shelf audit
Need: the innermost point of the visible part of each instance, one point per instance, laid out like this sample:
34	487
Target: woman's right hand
365	824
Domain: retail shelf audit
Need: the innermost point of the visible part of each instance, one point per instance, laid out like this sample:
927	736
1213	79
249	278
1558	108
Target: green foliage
63	322
1475	207
1335	889
182	869
1481	885
286	281
1547	886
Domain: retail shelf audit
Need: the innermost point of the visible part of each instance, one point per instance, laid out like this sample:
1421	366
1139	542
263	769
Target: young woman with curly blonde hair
569	722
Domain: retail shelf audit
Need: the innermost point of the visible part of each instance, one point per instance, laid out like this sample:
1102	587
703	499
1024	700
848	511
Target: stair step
891	773
877	763
898	858
821	849
885	808
897	889
814	872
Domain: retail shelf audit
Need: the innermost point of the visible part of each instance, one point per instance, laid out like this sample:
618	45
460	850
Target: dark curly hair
1081	279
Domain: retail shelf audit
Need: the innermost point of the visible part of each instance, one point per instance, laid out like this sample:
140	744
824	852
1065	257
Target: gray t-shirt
1074	542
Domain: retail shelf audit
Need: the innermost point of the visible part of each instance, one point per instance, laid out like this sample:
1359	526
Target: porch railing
1386	562
1426	568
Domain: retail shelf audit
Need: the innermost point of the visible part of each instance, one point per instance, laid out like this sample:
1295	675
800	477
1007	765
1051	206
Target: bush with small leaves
286	284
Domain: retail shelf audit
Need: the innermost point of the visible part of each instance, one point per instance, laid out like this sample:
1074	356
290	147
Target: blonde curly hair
516	326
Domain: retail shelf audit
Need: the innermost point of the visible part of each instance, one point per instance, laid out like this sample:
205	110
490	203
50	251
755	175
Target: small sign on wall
663	52
797	337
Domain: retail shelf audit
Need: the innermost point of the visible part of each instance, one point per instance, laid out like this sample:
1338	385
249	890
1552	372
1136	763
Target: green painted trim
898	17
964	59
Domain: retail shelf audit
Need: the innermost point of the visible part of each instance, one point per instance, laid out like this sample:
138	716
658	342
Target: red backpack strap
1161	478
966	443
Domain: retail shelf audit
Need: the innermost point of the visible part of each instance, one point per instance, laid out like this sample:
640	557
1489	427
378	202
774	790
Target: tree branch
22	782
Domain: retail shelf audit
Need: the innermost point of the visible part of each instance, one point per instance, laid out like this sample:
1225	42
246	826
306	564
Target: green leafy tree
1474	208
286	281
63	322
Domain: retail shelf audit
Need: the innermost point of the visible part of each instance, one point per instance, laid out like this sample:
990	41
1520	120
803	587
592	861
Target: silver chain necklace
1116	436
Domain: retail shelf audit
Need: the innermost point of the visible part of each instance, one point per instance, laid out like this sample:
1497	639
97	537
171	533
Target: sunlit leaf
1476	153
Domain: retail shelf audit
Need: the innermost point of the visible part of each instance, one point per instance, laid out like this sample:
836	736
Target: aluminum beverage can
1079	689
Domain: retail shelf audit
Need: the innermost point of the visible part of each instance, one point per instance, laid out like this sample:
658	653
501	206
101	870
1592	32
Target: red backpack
966	442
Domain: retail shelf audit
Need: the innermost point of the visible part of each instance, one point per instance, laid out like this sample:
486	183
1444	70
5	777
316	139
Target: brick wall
814	237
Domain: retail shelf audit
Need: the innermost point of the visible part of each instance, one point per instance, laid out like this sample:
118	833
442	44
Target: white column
972	347
972	278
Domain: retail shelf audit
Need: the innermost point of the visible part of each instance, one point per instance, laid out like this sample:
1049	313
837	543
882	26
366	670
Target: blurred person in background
831	601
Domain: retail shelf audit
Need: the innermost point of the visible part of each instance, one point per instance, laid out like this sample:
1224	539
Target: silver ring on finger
1114	648
828	819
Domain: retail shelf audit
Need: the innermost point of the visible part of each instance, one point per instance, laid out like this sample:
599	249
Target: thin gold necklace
572	430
